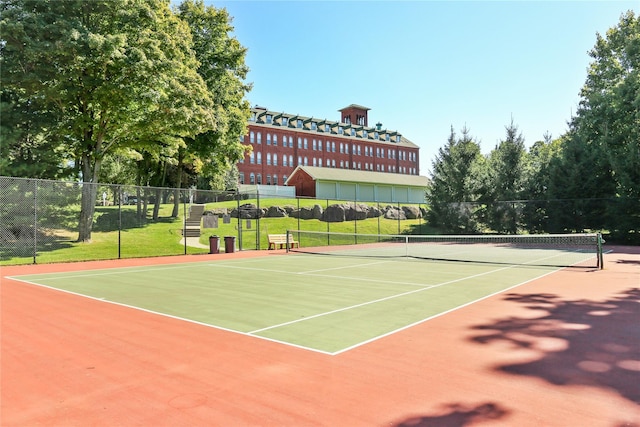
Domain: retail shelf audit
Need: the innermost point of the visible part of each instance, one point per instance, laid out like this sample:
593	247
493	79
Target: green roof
349	175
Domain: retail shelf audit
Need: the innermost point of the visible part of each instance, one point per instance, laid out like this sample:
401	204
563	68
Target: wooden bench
281	241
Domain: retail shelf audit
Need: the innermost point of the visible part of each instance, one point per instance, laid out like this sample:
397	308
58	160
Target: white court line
379	300
392	297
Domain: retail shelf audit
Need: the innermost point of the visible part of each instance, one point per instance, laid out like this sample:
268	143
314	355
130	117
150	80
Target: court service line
379	300
390	297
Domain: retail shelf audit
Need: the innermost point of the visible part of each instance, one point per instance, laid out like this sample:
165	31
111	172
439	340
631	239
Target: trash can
214	244
229	244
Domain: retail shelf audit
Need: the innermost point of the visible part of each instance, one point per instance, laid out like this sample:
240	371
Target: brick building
283	141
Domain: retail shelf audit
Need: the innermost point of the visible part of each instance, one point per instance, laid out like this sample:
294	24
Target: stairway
192	223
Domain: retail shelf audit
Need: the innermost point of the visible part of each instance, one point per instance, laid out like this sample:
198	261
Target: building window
252	137
290	142
268	139
327	128
333	147
314	144
252	179
319	145
341	148
290	160
353	132
275	179
269	118
284	160
275	160
259	179
259	158
259	138
299	160
268	179
253	117
365	134
269	159
241	178
275	140
341	164
397	138
299	124
340	130
284	178
252	159
320	162
376	135
306	144
306	161
314	126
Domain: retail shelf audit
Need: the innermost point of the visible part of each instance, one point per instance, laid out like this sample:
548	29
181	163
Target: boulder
334	213
412	212
276	212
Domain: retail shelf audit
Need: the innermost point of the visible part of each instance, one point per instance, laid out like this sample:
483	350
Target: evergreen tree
504	184
453	187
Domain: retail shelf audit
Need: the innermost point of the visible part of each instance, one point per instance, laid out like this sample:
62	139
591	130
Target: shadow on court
457	415
593	343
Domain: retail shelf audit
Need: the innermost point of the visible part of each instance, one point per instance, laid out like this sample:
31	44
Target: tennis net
556	250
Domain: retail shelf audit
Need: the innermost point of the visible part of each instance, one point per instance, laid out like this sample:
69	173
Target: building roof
359	107
260	120
349	175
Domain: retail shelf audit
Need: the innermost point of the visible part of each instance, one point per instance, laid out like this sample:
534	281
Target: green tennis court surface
322	303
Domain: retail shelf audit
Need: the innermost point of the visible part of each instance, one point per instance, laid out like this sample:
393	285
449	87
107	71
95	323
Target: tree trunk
89	197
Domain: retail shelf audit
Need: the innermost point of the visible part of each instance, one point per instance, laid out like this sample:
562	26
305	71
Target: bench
281	241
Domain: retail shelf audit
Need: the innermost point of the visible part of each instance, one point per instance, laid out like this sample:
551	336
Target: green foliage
93	81
454	185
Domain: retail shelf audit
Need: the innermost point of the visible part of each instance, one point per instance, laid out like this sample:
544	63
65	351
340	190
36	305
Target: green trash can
229	244
214	244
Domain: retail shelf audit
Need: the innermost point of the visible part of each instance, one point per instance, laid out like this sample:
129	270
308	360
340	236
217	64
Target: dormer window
314	126
269	118
285	121
340	130
397	138
299	124
253	117
327	128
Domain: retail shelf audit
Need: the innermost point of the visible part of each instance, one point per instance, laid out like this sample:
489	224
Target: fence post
119	221
35	220
184	221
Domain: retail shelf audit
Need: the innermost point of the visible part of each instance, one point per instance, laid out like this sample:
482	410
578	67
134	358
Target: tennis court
328	299
327	335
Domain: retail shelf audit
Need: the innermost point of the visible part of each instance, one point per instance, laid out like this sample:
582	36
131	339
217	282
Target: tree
607	122
113	73
452	192
504	185
221	58
537	181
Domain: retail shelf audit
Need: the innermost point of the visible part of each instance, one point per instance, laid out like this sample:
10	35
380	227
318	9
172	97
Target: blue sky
424	66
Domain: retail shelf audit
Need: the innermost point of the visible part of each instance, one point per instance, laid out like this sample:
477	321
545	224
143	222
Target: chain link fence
40	220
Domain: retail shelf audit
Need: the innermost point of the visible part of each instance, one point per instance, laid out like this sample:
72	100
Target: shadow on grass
580	342
457	415
108	219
